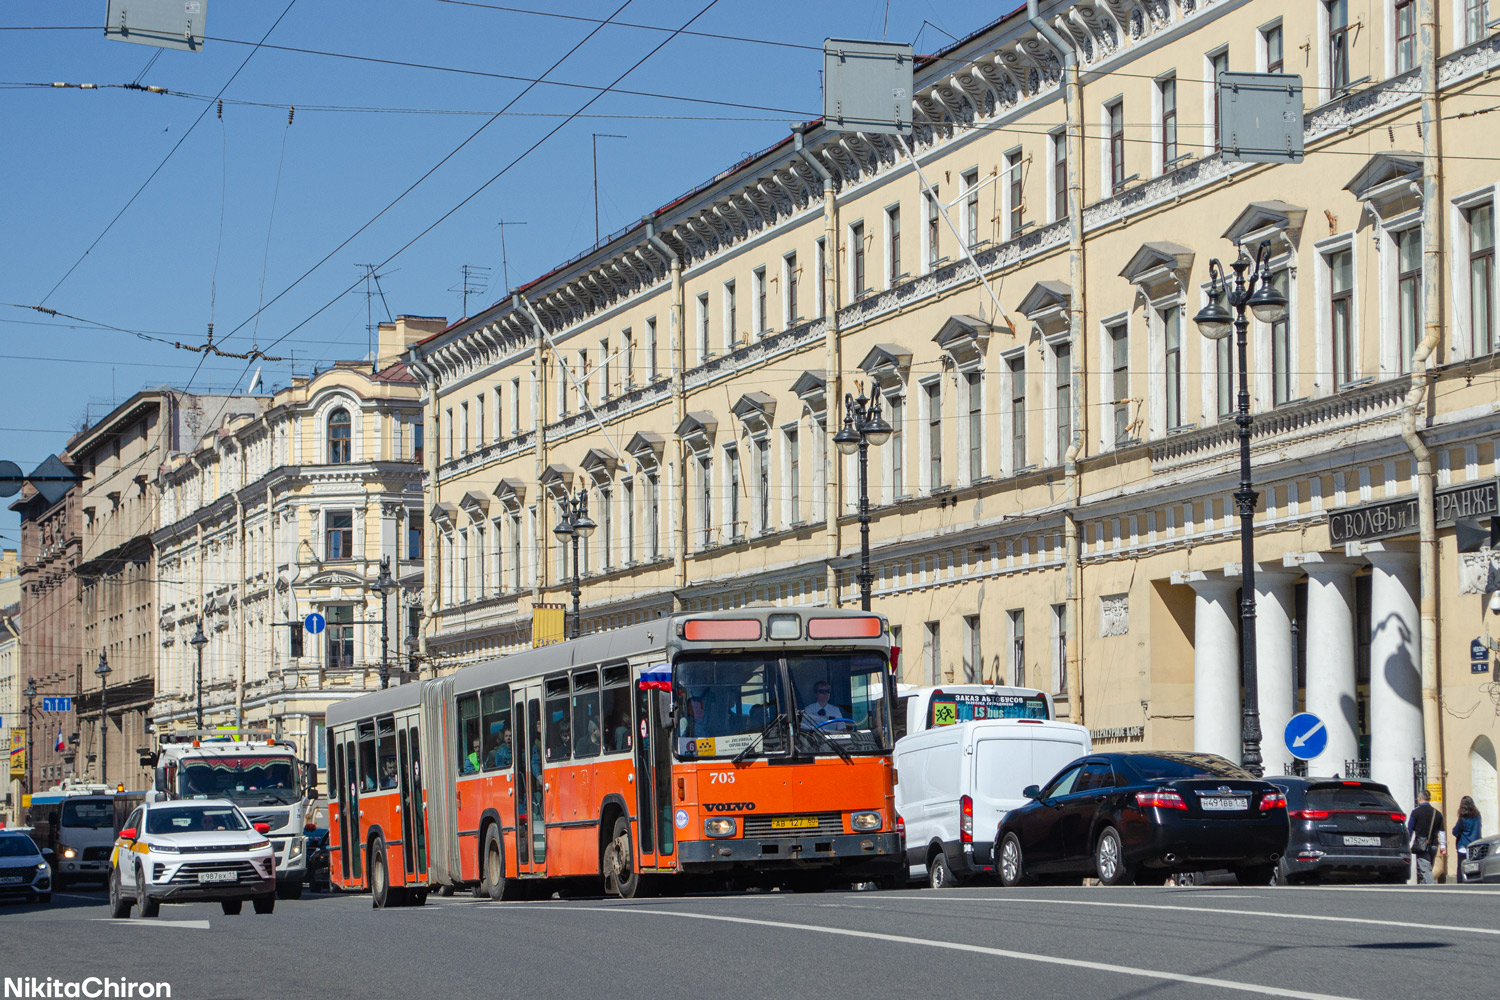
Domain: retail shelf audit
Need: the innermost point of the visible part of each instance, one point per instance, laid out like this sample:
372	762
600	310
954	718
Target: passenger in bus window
388	773
499	755
818	714
471	762
588	744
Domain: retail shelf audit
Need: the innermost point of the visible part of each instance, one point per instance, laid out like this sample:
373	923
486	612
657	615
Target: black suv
1342	828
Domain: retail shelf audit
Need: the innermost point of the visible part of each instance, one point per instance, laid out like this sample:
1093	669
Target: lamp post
1252	289
198	641
576	524
30	694
863	426
102	672
386	586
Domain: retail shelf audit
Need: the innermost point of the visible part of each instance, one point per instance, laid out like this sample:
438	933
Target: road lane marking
1455	928
976	949
192	925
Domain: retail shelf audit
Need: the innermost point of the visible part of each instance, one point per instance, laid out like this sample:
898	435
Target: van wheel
492	874
939	875
1109	858
119	903
620	877
1012	865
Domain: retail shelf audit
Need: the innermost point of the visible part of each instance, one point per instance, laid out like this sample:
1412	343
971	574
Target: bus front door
354	847
653	767
531	819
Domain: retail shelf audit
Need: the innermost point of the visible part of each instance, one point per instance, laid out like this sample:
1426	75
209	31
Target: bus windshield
843	697
260	779
726	704
90	814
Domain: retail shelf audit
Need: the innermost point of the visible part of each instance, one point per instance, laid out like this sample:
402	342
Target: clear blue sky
246	206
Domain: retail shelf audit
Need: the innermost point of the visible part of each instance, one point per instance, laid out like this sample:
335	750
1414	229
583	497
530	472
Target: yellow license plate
794	822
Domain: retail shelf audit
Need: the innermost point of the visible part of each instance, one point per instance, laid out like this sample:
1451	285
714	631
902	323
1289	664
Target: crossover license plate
794	822
1222	804
1361	841
11	880
218	877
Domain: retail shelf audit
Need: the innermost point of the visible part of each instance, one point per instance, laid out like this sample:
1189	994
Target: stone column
1331	692
1216	664
1395	670
1276	659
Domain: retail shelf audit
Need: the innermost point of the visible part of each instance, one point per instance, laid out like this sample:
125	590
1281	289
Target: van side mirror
1031	792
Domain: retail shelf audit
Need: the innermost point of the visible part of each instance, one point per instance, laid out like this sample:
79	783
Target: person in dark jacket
1428	837
1467	830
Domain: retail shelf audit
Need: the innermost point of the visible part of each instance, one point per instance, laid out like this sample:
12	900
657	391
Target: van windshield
95	815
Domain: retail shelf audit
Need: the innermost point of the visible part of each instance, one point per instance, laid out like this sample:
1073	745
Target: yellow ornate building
284	509
1054	506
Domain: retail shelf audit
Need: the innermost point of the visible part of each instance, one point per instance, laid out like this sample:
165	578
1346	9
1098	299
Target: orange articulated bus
744	747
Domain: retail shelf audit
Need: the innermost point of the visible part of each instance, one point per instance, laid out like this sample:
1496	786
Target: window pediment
1046	305
698	425
600	464
443	514
888	365
475	503
511	493
1158	268
812	388
756	410
646	447
964	338
1267	220
557	477
1390	182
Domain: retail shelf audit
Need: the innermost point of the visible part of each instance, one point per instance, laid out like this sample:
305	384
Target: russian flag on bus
657	678
61	746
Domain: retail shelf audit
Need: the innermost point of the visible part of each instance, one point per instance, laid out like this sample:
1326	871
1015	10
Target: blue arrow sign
314	623
57	704
1306	736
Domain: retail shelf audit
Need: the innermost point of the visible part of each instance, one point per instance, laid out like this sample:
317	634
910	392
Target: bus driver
820	712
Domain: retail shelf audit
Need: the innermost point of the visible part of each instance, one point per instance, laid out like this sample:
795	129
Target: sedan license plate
1471	867
1361	841
217	876
1219	803
11	880
794	822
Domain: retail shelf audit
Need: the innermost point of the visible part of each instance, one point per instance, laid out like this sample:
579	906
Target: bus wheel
382	893
620	877
418	897
493	873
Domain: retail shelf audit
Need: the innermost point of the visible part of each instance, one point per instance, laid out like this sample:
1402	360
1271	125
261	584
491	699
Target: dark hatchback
1137	817
1344	829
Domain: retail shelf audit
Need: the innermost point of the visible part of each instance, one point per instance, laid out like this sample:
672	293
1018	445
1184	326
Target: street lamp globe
30	691
585	525
564	529
102	670
1214	321
199	640
1268	305
384	582
876	430
847	439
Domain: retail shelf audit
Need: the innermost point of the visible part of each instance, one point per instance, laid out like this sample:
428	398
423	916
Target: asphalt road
1043	942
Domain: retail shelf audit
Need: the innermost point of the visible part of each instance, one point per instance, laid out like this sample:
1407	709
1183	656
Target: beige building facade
284	509
1054	506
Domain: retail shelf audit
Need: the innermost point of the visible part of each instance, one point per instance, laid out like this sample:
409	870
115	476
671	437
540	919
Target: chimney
396	337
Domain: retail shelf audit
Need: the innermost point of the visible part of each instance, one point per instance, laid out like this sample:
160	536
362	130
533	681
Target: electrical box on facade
167	24
1260	117
867	86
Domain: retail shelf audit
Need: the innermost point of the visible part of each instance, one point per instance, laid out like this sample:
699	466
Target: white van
955	782
919	708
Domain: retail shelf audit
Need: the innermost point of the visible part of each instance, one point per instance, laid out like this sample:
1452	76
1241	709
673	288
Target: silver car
1482	863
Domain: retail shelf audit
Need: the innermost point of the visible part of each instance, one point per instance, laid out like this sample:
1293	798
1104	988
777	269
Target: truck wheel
264	904
232	907
119	903
149	907
288	890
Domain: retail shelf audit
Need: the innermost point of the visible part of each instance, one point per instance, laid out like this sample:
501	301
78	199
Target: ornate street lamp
576	524
1252	289
198	641
386	586
863	426
102	671
30	694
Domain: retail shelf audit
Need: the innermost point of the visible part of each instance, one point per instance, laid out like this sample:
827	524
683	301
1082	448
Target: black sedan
1343	828
1137	817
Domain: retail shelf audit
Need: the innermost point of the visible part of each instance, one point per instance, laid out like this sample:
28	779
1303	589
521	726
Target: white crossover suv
200	850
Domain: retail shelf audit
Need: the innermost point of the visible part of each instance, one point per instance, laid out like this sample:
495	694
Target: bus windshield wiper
848	758
760	738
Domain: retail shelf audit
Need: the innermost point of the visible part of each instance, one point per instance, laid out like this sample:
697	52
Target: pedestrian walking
1428	837
1467	830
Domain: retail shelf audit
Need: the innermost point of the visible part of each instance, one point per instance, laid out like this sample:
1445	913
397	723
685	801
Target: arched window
339	433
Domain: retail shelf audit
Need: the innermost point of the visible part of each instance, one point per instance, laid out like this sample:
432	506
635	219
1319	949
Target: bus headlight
720	826
865	822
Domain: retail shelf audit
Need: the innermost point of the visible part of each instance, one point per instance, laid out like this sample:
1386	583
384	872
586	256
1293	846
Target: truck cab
77	822
261	775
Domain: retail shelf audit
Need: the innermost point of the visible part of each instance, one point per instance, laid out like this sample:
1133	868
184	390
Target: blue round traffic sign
314	623
1306	736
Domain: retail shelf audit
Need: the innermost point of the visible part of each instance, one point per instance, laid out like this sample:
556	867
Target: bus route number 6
721	778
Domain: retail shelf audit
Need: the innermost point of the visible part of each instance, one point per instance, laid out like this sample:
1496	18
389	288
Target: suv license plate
1471	867
1361	841
11	880
218	877
1221	804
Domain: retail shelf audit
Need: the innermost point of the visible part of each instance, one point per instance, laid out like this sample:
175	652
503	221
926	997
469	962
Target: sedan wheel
1109	859
1012	869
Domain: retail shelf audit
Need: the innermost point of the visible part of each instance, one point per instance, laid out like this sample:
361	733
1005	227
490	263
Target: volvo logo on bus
729	807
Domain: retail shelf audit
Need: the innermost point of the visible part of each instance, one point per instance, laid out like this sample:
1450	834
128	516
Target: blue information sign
314	623
1306	736
57	703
